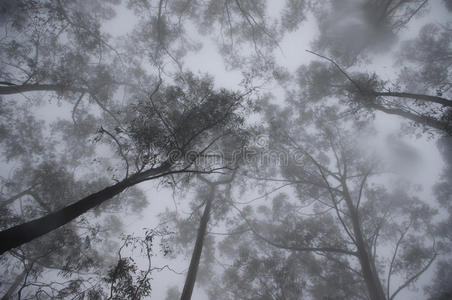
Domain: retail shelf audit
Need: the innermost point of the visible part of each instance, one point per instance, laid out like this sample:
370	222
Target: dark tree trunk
196	256
26	232
23	233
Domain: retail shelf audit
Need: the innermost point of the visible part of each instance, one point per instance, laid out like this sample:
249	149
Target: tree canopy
295	149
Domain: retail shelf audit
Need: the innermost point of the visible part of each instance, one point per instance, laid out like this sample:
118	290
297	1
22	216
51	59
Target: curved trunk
26	232
196	256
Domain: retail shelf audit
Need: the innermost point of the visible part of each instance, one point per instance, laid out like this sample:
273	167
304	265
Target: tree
42	180
256	270
125	279
351	30
441	287
52	46
366	92
70	251
259	273
87	115
59	65
341	214
200	236
62	48
421	91
212	194
166	142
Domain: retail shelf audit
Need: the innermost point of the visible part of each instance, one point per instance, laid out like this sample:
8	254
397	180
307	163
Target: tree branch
414	277
427	98
292	248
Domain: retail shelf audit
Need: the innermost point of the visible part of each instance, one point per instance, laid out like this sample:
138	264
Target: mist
226	149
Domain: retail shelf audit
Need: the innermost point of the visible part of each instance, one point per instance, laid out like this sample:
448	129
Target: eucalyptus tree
441	286
42	181
129	93
57	46
420	91
125	278
253	269
128	279
342	211
233	24
442	189
211	192
257	272
426	60
63	49
365	93
352	30
200	236
441	289
167	133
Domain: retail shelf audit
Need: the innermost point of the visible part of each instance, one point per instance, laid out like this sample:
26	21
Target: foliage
298	200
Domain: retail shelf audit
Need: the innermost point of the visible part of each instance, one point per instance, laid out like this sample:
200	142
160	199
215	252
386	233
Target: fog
226	149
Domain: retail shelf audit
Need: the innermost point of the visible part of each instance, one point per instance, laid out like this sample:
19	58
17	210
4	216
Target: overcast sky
290	54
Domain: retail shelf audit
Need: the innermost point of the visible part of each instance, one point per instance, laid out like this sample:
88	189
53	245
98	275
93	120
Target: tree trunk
23	233
7	202
16	89
196	256
421	97
19	278
368	270
424	120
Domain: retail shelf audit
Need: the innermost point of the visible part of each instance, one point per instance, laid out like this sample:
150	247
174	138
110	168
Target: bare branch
121	152
414	277
292	248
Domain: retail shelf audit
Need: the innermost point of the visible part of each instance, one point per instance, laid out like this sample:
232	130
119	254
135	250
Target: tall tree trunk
23	233
196	256
369	272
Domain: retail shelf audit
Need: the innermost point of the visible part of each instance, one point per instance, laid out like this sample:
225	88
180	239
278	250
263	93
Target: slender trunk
7	202
369	272
424	120
196	256
19	278
28	192
23	233
16	89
